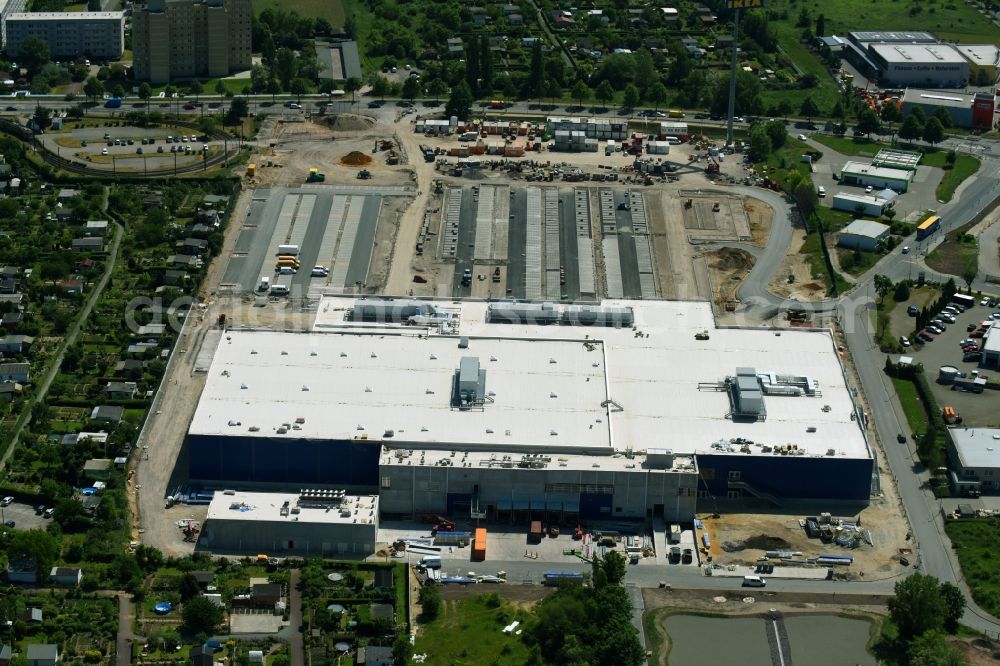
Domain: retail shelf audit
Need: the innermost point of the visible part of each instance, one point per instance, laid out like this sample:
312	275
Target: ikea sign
743	4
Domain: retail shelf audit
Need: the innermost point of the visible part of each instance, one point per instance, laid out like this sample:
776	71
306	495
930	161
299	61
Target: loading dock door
593	505
459	502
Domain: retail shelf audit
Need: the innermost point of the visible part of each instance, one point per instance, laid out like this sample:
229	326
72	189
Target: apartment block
99	35
188	39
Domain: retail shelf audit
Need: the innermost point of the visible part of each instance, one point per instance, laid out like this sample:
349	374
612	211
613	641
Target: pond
817	640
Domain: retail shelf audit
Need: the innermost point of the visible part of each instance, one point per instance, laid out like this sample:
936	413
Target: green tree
889	113
238	109
955	603
41	116
284	66
201	615
144	93
645	69
805	198
604	93
911	129
942	115
485	66
820	25
748	94
882	286
437	88
809	108
188	587
917	606
657	94
631	98
411	88
902	292
299	87
581	91
951	158
460	102
933	131
34	54
611	568
93	89
32	544
838	110
760	143
932	649
868	122
267	51
777	131
381	86
352	86
195	87
536	71
430	603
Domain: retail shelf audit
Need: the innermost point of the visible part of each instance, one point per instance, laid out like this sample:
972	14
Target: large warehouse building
627	409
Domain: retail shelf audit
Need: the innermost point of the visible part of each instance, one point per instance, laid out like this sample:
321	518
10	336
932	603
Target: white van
673	140
753	581
821	191
431	562
279	290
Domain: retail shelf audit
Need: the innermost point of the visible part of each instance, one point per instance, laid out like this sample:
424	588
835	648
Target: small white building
863	235
859	173
860	204
991	349
974	456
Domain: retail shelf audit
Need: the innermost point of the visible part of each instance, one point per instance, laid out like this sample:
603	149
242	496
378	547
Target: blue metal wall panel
593	505
790	476
280	460
463	500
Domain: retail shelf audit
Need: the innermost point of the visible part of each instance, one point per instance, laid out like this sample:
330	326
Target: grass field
331	10
977	544
955	254
916	417
964	167
470	631
848	146
957	21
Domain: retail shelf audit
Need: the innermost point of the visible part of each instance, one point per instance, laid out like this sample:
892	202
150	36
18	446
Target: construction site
352	206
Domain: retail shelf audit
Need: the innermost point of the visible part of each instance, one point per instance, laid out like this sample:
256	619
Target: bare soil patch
348	122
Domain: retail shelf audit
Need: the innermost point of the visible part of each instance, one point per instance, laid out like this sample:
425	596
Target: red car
976	334
190	107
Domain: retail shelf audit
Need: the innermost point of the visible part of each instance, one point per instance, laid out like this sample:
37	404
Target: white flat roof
919	53
977	447
616	462
862	169
267	507
992	341
652	373
866	228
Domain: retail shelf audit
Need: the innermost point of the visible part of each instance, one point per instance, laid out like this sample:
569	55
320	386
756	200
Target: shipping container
251	170
479	546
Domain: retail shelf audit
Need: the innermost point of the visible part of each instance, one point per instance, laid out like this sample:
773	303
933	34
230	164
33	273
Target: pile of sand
355	158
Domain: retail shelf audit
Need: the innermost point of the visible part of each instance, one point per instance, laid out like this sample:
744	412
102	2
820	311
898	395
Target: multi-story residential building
187	39
68	34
